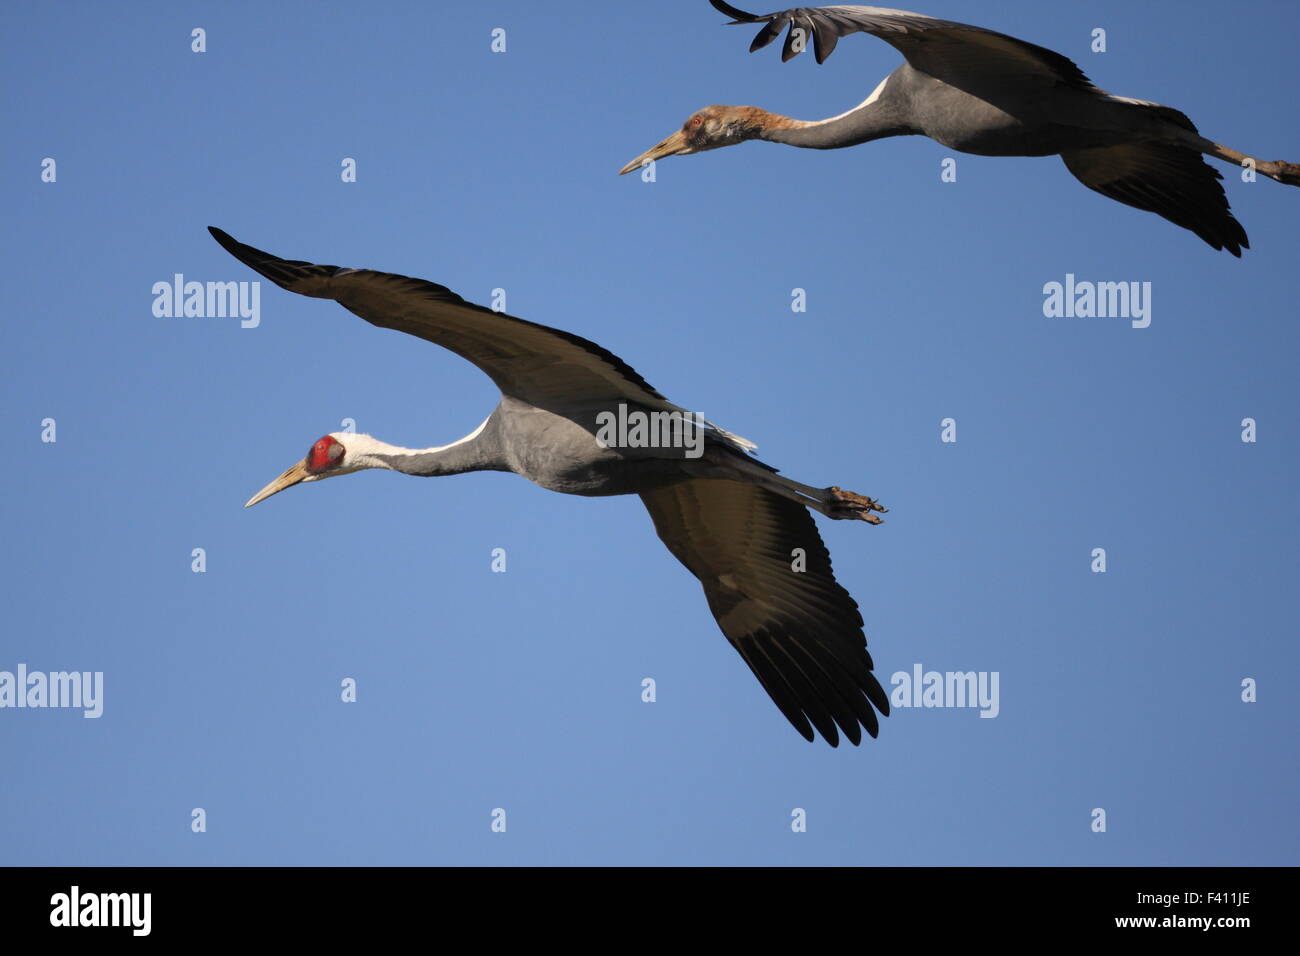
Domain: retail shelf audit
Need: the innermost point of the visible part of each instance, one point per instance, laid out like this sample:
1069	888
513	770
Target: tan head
709	128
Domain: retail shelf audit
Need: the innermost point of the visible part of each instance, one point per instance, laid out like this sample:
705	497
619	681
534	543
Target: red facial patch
324	455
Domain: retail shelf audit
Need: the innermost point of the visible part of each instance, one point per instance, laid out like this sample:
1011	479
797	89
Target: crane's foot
1288	173
846	504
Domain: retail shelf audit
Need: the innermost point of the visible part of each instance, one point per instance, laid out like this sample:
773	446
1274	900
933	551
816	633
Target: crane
740	527
981	92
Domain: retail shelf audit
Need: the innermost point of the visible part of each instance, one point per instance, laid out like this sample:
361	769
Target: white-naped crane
740	527
981	92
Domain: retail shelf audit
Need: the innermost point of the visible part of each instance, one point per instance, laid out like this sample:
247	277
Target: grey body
558	451
984	118
733	521
982	122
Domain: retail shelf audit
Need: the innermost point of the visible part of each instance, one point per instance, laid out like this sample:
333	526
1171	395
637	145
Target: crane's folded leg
1279	170
833	502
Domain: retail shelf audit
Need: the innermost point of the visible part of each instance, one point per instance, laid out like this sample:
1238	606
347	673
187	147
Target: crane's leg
833	502
1283	172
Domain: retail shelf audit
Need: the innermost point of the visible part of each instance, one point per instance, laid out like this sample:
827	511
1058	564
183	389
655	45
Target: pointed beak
290	478
670	147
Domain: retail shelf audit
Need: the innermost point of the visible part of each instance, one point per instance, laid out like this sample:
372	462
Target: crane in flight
740	527
981	92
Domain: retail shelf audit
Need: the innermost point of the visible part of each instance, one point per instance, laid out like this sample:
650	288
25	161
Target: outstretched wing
531	362
1169	181
798	630
957	53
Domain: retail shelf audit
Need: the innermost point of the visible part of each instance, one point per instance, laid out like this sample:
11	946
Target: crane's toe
847	504
1288	173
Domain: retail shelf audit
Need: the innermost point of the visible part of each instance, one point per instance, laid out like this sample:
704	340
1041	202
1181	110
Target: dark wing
799	631
957	53
531	362
1169	181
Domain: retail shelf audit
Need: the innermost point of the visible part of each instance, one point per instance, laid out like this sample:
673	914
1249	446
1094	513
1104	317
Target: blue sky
522	690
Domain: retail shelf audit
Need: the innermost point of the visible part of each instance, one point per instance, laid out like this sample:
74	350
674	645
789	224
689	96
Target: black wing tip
226	239
255	259
1226	236
830	727
833	740
1238	240
244	253
737	16
1223	244
774	23
1197	202
283	272
788	50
